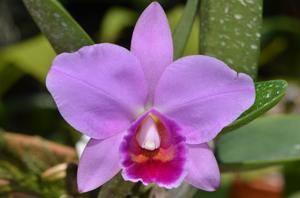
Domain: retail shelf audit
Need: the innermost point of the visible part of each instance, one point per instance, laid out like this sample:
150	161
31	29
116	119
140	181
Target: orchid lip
148	136
154	151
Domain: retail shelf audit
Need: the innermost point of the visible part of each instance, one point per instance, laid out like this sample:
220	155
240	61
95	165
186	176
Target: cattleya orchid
147	116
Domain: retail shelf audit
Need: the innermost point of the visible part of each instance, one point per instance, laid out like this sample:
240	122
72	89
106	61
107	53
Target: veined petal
203	170
203	95
152	43
99	89
165	165
99	162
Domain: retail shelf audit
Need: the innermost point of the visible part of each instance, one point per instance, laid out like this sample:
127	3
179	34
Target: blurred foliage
26	107
267	140
281	41
184	27
292	178
27	167
115	21
32	56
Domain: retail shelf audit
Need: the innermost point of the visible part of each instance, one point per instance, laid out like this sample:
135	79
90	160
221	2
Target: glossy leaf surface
268	94
230	31
268	140
62	31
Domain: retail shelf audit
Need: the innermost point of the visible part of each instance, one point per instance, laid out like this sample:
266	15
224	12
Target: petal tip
209	187
155	4
83	188
251	86
212	188
214	185
153	8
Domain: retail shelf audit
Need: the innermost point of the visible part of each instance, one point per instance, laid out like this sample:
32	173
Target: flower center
148	136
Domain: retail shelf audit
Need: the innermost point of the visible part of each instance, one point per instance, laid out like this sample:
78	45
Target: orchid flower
147	116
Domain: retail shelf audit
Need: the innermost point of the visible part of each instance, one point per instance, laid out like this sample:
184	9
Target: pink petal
152	43
203	170
99	163
203	95
99	89
164	166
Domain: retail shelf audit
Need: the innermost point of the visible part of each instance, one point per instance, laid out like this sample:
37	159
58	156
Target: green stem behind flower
184	27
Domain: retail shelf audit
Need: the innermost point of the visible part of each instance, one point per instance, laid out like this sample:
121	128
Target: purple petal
152	43
99	163
99	89
203	95
165	166
203	170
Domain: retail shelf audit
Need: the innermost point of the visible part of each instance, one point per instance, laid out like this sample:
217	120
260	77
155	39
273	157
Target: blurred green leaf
62	31
267	140
9	74
174	15
33	56
184	190
295	195
281	24
9	170
280	47
230	31
268	94
191	46
184	27
291	173
115	20
117	188
272	50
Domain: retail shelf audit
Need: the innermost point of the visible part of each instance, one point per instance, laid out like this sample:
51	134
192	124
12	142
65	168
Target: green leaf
116	187
268	94
33	56
184	27
9	75
191	47
114	22
268	140
230	31
291	173
282	23
62	31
